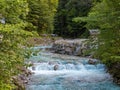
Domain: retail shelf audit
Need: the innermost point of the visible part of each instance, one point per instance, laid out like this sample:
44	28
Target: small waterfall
78	50
47	66
41	48
64	72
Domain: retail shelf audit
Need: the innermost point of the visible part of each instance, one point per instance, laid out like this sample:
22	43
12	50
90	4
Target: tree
67	10
107	20
13	10
41	14
12	39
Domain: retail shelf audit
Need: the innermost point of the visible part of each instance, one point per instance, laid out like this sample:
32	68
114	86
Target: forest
71	19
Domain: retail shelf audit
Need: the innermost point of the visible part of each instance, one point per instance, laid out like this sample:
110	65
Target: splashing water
63	72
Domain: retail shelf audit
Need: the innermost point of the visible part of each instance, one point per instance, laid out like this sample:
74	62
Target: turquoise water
64	72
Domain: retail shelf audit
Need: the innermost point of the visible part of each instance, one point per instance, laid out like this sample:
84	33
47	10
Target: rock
60	51
69	50
56	67
19	83
22	79
54	35
25	70
70	47
28	72
92	61
33	67
52	63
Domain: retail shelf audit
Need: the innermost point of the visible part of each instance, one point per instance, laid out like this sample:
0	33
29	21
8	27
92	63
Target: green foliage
108	21
13	10
41	14
12	40
67	10
11	52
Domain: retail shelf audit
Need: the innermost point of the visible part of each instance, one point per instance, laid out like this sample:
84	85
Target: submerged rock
33	67
51	63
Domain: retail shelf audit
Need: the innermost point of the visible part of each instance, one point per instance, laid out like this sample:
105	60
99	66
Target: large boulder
70	47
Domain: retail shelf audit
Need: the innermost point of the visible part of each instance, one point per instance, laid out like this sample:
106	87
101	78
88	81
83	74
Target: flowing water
63	72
